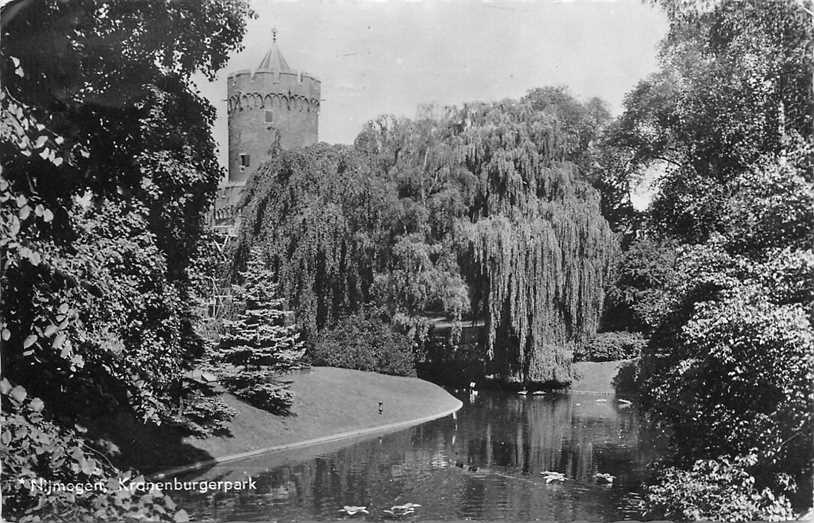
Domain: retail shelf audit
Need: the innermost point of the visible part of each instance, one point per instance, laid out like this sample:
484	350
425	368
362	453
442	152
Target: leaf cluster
39	454
716	489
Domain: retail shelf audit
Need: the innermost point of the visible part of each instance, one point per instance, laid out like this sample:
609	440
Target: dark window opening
244	160
269	117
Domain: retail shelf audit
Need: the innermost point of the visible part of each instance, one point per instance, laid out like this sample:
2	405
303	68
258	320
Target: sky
378	57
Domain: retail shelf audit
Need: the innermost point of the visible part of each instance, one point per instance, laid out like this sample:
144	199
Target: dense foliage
475	211
636	295
716	490
107	167
729	368
365	341
721	281
734	86
40	455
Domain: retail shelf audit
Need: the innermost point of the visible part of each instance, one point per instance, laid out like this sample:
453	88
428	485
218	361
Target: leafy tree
728	366
614	174
541	248
733	87
113	79
421	279
262	343
320	217
107	166
772	206
723	285
731	359
105	141
472	211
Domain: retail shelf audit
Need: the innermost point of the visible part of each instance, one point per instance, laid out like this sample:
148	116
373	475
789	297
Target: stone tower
273	102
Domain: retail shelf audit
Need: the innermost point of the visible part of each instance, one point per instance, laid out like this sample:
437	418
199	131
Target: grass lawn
596	376
328	402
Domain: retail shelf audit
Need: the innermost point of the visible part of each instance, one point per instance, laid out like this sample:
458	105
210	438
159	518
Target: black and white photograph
406	260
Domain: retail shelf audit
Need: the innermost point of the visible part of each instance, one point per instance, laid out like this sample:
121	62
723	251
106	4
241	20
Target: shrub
743	379
627	378
610	346
715	490
202	416
364	341
731	370
201	412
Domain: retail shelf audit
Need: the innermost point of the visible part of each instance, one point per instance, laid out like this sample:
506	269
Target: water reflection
485	464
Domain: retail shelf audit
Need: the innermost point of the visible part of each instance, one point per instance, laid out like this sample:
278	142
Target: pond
486	464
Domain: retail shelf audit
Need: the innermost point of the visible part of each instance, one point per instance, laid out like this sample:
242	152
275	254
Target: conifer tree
261	344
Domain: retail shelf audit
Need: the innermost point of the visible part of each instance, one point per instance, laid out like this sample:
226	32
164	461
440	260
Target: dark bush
259	388
364	341
203	416
626	381
610	346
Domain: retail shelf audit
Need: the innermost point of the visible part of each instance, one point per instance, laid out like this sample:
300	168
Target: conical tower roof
273	61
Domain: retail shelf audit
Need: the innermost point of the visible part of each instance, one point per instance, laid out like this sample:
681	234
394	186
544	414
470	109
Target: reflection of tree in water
484	465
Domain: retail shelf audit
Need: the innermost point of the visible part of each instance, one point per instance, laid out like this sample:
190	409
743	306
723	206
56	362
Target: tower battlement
247	90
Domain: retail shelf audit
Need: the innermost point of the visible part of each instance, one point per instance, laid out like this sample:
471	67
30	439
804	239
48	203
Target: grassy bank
596	376
328	402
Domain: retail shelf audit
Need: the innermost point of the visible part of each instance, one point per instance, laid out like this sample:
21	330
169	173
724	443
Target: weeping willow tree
540	280
323	221
537	247
478	211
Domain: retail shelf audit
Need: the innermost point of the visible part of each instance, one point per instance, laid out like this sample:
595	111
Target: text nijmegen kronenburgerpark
80	488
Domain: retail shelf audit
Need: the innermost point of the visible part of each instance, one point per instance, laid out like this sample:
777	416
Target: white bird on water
399	511
552	476
351	510
604	477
